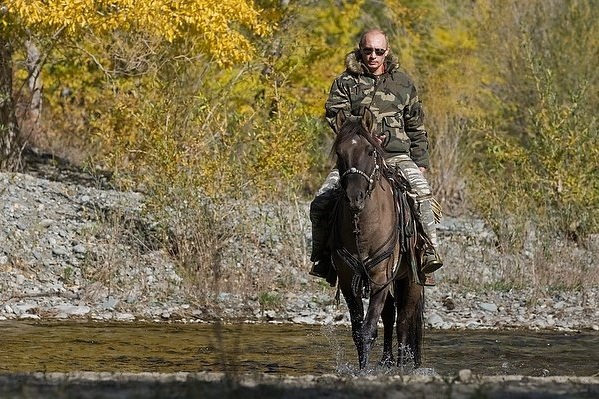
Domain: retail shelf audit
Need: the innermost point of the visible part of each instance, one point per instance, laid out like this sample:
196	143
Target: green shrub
537	152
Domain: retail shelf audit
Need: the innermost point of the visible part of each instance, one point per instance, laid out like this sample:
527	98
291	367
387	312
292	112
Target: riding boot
321	267
321	255
431	260
320	211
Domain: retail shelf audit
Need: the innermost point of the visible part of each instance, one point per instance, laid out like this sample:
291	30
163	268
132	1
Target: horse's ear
339	120
368	120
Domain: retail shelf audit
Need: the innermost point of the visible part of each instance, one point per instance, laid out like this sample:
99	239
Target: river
286	349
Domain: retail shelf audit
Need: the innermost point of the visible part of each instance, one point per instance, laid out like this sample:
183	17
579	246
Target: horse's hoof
387	362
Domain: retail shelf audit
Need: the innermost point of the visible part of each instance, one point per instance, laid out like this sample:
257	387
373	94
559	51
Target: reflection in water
278	348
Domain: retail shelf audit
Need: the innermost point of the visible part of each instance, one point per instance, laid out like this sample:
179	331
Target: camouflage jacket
393	99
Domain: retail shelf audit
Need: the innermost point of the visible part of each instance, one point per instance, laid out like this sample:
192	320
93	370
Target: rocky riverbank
68	251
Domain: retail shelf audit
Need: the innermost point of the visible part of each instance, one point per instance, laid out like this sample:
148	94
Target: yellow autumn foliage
218	25
148	92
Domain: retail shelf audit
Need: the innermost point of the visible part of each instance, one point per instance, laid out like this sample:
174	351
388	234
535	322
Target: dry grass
249	249
259	251
543	262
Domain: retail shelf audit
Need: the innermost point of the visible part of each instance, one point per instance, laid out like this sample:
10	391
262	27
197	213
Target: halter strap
370	179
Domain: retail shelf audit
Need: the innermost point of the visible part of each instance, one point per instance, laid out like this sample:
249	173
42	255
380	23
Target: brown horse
373	245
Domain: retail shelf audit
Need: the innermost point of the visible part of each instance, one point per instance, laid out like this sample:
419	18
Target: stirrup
431	263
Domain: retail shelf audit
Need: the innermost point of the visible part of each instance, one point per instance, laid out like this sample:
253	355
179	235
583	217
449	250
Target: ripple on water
281	349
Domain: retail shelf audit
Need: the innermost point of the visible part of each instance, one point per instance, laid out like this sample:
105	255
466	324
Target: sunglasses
369	50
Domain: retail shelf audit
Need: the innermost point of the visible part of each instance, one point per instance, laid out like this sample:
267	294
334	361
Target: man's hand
381	138
422	169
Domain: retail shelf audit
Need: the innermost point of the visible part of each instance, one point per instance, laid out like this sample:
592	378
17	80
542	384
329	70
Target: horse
374	244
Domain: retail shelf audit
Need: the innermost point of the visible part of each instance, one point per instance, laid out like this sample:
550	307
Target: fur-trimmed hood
354	65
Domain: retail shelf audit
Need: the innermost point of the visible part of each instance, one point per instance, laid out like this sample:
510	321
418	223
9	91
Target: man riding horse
372	79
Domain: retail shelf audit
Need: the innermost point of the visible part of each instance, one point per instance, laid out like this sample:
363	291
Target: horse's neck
381	197
374	225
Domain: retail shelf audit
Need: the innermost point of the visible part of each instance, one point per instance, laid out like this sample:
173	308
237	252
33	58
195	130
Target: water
276	348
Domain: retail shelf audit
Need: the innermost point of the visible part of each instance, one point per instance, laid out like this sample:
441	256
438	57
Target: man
372	79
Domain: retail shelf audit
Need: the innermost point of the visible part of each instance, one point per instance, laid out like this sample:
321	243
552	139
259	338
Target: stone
465	375
434	321
73	310
488	307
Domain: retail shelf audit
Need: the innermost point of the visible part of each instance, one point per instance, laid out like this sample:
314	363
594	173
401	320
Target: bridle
358	264
370	178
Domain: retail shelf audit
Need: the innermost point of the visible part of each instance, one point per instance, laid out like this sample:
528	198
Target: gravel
61	258
217	385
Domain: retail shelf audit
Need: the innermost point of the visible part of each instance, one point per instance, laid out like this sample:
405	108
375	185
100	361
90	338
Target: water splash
346	364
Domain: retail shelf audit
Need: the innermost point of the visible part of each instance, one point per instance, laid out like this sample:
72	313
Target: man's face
374	51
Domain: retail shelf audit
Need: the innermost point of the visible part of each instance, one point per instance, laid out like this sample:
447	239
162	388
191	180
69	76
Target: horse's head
358	156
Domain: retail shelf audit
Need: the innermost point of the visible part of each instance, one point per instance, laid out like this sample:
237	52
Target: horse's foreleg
356	315
403	349
410	322
369	328
388	316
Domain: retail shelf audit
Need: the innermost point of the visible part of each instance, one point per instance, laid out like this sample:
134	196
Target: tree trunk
30	121
10	148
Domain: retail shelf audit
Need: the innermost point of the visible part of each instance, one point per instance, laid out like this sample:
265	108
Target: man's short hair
373	30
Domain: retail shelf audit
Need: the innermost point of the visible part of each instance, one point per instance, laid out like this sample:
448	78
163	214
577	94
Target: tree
223	32
8	124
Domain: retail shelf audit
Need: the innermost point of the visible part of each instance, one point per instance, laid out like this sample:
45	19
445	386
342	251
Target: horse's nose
356	207
356	202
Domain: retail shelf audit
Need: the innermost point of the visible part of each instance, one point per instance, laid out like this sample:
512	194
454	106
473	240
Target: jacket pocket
393	127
